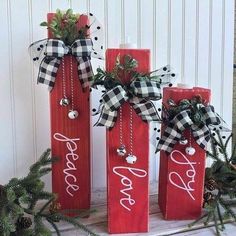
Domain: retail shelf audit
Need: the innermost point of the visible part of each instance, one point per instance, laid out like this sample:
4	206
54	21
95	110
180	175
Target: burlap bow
182	121
54	52
139	94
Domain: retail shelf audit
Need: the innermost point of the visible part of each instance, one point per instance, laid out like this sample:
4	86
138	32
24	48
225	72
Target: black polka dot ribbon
139	94
201	131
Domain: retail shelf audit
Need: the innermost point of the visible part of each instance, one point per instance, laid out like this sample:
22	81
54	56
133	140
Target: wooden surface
157	226
128	192
181	178
71	175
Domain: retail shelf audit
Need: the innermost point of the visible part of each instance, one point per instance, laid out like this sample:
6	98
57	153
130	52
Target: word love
127	199
179	181
71	158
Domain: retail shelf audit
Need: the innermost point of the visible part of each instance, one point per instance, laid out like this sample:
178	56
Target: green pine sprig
64	26
220	207
192	105
124	67
19	199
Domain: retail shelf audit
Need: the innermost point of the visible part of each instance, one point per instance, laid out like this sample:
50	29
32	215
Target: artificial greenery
220	184
192	105
19	213
64	26
124	66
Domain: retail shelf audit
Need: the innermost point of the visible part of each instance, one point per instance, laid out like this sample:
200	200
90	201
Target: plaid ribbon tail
48	71
145	109
169	138
201	135
173	131
85	71
107	118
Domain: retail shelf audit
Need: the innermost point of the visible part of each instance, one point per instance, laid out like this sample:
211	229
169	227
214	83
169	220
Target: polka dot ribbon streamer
139	94
201	132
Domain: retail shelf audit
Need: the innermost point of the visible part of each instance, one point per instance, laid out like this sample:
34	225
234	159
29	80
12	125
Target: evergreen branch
208	218
233	155
40	228
76	224
230	202
54	226
222	147
32	204
227	208
126	69
220	216
28	191
43	160
211	155
78	213
216	224
197	220
45	195
227	140
46	205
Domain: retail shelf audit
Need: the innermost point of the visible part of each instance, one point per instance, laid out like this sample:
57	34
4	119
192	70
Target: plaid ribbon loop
139	95
201	132
146	89
55	50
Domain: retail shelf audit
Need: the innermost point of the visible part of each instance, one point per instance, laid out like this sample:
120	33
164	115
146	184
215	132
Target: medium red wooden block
70	139
128	201
181	178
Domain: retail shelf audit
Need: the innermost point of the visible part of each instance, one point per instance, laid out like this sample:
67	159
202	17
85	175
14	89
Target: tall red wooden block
128	201
70	139
181	179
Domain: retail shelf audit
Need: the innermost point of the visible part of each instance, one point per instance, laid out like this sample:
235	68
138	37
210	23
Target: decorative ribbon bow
182	121
48	53
55	50
138	93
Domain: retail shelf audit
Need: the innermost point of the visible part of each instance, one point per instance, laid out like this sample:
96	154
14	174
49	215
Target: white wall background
194	36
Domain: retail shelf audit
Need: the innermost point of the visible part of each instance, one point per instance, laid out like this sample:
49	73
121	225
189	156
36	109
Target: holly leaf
44	23
69	11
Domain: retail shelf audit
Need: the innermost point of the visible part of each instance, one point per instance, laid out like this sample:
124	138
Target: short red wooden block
70	139
128	201
181	178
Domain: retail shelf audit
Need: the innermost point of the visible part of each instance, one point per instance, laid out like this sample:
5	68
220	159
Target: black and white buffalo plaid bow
53	52
182	121
139	94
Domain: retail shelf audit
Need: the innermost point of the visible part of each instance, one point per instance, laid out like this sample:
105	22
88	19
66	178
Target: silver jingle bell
183	141
64	102
190	151
121	151
73	114
131	159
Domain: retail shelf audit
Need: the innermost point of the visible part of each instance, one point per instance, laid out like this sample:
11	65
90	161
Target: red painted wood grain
176	203
77	152
121	220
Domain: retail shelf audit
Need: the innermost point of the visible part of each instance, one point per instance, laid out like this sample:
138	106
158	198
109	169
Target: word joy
190	173
71	158
126	201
